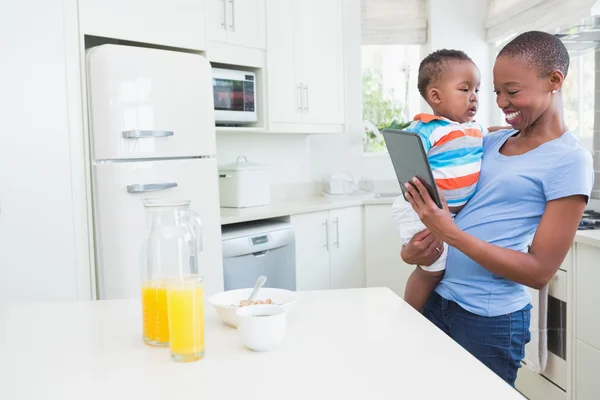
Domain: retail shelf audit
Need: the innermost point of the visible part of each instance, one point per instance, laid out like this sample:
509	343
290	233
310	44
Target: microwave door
228	95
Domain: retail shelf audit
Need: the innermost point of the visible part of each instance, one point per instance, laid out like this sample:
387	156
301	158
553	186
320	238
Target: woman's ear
556	80
434	95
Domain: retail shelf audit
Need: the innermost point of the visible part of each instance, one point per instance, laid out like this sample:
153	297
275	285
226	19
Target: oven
551	384
235	97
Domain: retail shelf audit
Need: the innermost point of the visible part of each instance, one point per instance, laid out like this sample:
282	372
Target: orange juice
154	309
186	318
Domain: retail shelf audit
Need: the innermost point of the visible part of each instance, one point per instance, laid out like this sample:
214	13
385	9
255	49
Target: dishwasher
259	248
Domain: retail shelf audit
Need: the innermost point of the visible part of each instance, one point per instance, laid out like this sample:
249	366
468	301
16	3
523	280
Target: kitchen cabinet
383	265
39	175
329	249
237	22
175	23
587	295
305	64
587	384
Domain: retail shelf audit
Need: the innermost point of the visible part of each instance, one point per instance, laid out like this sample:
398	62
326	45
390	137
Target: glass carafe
172	243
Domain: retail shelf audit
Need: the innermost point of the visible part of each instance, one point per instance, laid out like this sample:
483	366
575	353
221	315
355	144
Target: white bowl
227	303
262	326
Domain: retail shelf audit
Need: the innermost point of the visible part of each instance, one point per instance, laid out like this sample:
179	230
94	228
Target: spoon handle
260	281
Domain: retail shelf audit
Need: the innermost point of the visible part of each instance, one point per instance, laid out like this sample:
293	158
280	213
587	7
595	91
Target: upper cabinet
175	23
305	62
237	22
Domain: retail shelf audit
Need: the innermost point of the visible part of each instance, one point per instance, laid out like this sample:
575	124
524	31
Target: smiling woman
534	184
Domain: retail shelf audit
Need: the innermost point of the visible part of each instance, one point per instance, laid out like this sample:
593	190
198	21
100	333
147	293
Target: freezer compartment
120	218
149	103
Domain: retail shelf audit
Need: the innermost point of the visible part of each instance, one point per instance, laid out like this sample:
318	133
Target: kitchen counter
590	238
291	207
322	203
340	344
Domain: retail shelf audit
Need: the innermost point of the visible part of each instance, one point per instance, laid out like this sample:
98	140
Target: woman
534	185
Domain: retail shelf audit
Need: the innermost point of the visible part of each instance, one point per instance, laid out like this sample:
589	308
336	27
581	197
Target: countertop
299	206
322	203
340	344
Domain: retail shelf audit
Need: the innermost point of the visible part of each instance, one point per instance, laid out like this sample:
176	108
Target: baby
449	82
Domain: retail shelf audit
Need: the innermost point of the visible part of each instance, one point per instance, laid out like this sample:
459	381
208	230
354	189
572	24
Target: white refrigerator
152	127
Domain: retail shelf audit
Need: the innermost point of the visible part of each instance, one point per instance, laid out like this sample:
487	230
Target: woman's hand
438	221
423	249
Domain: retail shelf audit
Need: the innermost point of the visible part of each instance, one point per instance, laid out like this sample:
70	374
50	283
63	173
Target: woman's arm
550	245
423	249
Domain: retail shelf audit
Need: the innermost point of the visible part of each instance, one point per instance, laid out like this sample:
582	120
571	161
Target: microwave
234	94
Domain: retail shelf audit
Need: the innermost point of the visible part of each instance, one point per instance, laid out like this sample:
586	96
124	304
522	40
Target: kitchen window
389	90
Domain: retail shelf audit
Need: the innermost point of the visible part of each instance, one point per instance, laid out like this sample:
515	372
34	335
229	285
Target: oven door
556	367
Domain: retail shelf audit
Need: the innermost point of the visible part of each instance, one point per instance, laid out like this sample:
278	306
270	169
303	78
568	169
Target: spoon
260	281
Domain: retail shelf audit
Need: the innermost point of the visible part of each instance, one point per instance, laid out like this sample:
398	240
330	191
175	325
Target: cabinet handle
137	134
224	9
306	91
337	232
299	98
151	187
232	25
326	234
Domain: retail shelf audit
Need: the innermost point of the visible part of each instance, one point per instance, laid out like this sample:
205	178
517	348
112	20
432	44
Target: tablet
409	160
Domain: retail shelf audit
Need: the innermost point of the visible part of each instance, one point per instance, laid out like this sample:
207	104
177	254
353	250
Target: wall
467	34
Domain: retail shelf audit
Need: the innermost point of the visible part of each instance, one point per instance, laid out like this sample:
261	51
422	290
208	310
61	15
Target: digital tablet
409	160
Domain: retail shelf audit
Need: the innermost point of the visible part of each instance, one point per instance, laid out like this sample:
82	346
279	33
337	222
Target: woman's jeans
498	342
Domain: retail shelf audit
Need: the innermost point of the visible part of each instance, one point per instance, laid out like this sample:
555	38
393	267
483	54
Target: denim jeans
498	342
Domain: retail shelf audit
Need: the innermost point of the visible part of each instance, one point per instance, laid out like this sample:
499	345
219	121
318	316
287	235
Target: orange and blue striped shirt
454	152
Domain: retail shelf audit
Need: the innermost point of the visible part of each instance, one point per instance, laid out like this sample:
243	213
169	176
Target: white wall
287	155
461	28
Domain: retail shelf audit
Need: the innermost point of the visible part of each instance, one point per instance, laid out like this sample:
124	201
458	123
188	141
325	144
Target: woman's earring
554	91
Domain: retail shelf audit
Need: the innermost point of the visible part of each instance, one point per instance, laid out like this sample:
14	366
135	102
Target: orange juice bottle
154	312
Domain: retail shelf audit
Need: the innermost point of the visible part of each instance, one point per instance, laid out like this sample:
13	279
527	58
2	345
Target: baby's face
458	91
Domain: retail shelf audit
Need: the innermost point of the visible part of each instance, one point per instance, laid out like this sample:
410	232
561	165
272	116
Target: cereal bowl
227	303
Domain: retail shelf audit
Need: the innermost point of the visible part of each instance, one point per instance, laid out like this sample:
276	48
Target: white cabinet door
320	59
37	227
246	23
140	111
587	360
120	219
216	20
284	89
346	267
383	265
312	255
176	23
588	297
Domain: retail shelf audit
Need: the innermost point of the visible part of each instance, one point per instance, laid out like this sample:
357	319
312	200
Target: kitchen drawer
586	291
139	108
587	364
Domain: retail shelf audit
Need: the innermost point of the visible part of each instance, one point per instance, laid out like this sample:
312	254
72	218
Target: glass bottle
172	243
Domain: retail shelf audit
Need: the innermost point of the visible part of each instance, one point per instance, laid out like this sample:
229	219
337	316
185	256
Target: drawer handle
137	134
151	187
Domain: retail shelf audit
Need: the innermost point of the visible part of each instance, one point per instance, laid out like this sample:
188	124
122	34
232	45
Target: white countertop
591	238
322	203
344	344
291	207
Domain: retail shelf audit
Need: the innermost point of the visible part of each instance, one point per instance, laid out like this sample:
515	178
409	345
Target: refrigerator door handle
137	134
151	187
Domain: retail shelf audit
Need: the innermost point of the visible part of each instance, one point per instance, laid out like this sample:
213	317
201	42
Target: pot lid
242	164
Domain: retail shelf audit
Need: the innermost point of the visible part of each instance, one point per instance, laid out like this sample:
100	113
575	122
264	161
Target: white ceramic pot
244	184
